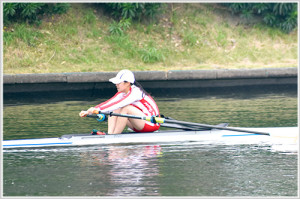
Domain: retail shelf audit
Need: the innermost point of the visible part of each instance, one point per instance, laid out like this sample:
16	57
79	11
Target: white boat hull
277	135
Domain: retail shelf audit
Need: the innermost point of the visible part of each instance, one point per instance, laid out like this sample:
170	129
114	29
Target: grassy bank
186	36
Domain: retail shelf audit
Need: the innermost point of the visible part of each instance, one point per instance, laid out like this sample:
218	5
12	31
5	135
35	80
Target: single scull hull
277	135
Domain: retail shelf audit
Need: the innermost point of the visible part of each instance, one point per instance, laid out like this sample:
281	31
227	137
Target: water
151	170
177	169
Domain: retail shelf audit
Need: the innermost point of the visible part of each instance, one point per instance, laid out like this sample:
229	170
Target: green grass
186	36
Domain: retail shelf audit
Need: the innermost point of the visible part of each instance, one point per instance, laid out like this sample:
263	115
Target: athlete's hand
90	111
83	113
93	110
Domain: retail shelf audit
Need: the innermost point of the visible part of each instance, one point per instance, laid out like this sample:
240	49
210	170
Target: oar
101	117
161	120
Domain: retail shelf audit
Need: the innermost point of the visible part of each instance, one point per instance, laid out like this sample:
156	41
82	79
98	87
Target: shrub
115	29
134	11
30	12
151	54
118	28
125	13
281	15
21	11
56	8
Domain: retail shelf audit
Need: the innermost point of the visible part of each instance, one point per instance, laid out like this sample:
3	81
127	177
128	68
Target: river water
174	169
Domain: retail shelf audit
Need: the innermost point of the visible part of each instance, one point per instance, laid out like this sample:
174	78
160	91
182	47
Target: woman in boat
130	99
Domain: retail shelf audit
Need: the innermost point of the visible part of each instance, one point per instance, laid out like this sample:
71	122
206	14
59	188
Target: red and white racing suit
136	98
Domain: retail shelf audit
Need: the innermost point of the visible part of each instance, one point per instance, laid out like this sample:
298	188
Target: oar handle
153	119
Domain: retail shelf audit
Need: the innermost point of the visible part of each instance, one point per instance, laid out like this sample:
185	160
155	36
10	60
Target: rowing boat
275	135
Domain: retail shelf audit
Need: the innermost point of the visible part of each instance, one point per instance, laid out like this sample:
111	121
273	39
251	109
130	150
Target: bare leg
112	122
117	124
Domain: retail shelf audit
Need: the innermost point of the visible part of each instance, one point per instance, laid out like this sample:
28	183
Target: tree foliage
281	15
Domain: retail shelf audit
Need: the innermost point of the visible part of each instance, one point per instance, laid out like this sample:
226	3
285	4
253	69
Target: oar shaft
214	127
160	120
116	114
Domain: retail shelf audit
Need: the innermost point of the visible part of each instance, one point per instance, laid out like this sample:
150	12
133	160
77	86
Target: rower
131	99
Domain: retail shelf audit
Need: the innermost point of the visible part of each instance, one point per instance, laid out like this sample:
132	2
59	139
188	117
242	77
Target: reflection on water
128	168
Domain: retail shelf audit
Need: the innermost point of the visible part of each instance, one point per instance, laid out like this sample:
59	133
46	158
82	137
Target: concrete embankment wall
96	83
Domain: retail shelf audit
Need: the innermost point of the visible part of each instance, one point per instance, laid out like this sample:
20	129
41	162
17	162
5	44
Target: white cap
122	76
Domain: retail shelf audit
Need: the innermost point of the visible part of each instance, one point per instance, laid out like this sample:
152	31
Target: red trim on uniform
138	108
116	102
148	105
155	104
107	101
